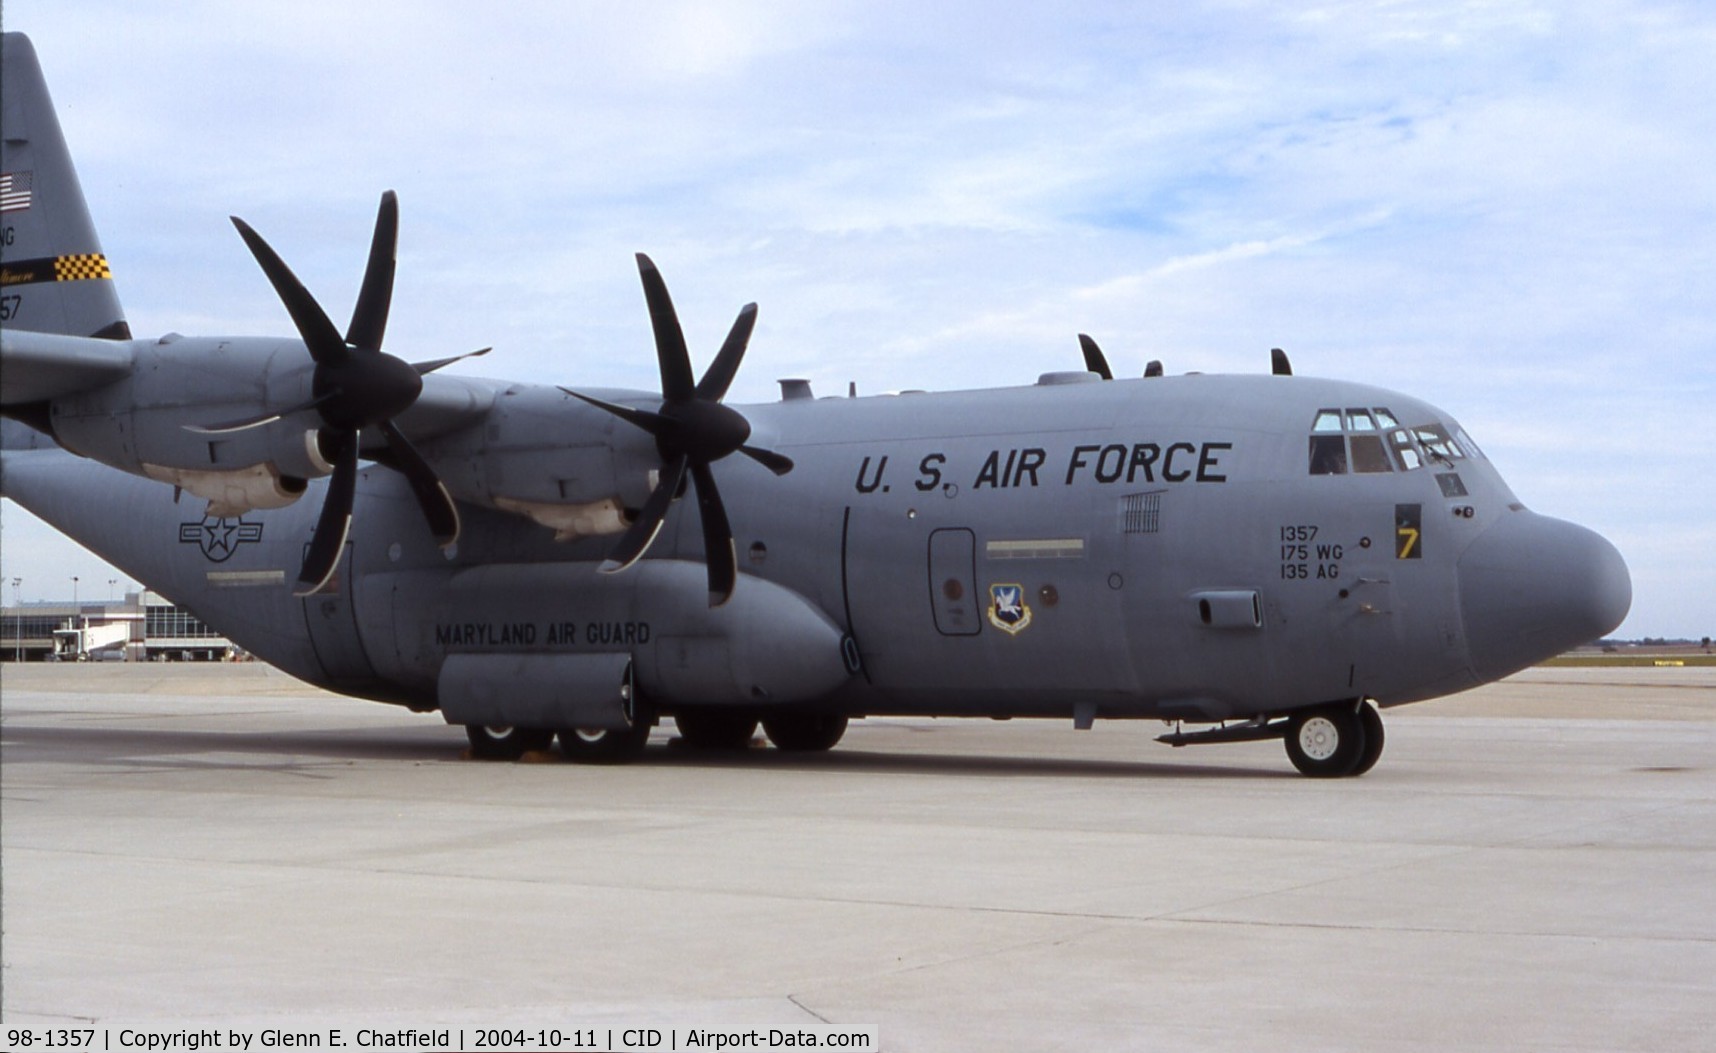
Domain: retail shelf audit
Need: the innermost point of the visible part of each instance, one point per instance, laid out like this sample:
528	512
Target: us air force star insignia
219	538
1007	609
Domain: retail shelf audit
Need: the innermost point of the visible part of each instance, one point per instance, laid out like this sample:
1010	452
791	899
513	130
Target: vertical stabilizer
54	277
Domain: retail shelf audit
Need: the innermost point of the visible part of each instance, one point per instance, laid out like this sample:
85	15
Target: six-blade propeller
692	430
355	386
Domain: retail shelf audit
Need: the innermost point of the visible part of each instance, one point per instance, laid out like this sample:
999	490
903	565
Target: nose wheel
1329	742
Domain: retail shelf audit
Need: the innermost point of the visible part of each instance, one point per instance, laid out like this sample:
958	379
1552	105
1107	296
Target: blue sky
1507	209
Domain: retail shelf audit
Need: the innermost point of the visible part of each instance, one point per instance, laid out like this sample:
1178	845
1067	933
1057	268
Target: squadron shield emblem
1007	608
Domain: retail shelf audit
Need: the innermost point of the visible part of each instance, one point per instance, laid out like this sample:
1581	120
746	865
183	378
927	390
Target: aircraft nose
1532	587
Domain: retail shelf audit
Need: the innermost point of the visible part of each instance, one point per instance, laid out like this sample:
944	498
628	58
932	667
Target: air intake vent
1229	608
1141	513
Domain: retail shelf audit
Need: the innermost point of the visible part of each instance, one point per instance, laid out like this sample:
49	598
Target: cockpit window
1406	455
1434	438
1368	454
1352	439
1370	439
1328	455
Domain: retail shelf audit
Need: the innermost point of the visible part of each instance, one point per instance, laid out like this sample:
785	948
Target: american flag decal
15	191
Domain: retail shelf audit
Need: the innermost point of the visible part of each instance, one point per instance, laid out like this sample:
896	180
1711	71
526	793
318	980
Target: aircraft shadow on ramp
300	751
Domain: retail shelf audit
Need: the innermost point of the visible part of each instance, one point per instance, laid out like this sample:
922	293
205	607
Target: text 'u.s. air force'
1141	462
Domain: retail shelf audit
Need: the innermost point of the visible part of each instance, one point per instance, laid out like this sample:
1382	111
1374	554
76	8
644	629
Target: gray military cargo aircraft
1244	557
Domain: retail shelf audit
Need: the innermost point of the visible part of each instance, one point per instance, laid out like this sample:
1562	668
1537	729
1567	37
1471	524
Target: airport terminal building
142	627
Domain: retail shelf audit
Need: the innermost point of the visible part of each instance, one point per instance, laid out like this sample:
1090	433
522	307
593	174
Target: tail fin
54	277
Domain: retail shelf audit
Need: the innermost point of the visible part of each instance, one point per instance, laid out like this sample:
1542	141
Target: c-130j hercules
1245	557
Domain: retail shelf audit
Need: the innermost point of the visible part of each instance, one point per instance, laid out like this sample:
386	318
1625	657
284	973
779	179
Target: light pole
77	621
18	617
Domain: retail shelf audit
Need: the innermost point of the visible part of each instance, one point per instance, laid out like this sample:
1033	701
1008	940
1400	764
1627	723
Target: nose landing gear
1328	742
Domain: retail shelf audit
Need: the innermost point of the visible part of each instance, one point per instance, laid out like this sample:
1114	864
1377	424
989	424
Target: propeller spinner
692	430
355	386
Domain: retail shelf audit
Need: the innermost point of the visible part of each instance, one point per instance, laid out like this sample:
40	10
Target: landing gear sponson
1324	742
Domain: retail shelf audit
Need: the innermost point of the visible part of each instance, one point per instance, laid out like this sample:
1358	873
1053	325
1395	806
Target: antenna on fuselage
1278	363
1096	362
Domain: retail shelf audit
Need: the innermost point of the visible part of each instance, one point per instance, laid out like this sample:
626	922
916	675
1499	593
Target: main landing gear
1325	742
722	730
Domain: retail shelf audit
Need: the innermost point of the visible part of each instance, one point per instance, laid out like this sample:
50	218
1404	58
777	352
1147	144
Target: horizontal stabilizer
35	367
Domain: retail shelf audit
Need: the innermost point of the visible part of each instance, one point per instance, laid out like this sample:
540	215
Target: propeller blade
369	317
1094	360
1153	368
432	496
677	384
654	423
257	422
425	368
719	551
719	377
319	334
1278	363
335	521
780	464
642	532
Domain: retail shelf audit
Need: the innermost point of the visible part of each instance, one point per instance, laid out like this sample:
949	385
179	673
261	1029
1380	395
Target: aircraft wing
448	404
35	367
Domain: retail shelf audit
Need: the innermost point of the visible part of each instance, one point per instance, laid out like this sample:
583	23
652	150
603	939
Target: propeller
355	386
692	430
1096	362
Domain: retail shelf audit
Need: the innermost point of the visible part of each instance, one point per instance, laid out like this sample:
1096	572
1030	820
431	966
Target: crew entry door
953	582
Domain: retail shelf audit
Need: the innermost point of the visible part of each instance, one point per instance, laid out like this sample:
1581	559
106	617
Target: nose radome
1532	587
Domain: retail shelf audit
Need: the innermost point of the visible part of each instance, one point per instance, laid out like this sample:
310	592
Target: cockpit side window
1329	454
1352	439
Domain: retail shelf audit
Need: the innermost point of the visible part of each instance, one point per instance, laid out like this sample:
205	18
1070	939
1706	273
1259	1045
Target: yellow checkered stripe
82	267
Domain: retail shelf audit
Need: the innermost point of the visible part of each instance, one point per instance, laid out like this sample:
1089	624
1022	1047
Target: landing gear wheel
805	732
715	729
604	745
1326	742
499	742
1373	739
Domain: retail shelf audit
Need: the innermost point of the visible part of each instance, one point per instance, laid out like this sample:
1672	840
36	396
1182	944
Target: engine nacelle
543	454
139	423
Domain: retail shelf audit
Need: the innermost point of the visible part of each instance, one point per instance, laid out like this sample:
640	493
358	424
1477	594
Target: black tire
715	729
604	745
1326	742
1373	739
506	743
805	732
